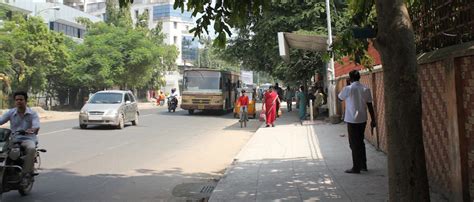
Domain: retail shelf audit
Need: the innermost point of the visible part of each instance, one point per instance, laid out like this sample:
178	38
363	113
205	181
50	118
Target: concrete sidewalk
302	162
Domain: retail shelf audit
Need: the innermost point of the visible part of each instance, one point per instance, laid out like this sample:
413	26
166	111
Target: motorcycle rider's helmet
173	90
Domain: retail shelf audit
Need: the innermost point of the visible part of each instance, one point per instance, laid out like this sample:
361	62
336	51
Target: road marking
147	115
53	132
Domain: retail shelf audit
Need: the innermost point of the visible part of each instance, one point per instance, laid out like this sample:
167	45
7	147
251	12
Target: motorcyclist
174	96
174	93
22	118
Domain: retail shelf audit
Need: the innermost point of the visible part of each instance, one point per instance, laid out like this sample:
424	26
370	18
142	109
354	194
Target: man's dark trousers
356	142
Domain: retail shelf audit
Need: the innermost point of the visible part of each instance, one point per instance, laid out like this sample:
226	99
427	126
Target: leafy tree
116	54
256	44
395	42
212	57
32	55
118	16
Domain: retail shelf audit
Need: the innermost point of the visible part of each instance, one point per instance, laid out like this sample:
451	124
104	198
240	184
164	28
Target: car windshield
202	81
106	98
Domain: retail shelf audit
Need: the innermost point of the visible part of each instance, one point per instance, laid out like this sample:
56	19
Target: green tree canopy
115	53
256	44
31	54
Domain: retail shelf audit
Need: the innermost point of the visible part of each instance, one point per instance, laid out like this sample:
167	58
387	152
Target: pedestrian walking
358	99
279	92
289	98
301	100
270	102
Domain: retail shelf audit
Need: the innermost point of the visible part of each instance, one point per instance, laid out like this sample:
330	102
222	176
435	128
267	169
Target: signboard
247	77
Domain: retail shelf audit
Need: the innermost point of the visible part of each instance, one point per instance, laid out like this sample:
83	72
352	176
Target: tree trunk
406	157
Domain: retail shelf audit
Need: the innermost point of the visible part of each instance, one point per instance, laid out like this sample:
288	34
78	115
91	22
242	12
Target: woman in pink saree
270	100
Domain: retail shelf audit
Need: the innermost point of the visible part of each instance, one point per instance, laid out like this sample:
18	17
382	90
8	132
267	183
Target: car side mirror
127	102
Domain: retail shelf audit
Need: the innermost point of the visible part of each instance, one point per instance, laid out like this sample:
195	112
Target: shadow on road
144	185
225	115
101	127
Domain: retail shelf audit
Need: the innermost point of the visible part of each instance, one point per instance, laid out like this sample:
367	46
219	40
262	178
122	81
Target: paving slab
301	162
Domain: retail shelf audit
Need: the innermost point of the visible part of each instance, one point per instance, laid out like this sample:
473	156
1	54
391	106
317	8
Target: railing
442	23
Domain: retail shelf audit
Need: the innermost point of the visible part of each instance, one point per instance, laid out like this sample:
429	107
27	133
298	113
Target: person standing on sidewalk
358	99
279	92
301	100
270	101
289	98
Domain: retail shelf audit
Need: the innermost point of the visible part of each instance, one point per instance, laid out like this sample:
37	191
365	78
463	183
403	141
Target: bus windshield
202	81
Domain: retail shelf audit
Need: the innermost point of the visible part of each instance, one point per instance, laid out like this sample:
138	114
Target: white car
110	108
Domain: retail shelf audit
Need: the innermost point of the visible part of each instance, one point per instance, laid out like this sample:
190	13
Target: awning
300	41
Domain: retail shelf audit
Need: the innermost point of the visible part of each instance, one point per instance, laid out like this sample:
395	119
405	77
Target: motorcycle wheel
174	110
83	126
27	189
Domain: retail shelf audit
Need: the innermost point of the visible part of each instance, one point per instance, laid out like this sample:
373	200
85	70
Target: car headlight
83	112
111	112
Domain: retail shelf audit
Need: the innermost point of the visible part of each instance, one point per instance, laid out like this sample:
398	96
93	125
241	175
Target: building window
175	39
175	25
136	14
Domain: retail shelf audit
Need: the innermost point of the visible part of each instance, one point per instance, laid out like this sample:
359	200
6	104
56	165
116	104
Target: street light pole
38	12
330	68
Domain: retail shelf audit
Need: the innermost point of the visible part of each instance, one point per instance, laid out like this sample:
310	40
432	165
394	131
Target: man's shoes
273	125
267	126
364	169
352	171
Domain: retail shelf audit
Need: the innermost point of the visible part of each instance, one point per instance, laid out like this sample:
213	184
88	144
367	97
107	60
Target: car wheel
135	122
121	123
191	111
83	126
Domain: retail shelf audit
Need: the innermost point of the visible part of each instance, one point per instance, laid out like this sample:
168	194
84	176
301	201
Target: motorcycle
172	103
12	157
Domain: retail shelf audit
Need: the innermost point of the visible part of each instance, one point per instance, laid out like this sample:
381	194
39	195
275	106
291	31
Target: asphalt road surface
139	163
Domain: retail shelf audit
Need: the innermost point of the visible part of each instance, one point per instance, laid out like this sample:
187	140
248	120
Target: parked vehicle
110	108
11	164
172	103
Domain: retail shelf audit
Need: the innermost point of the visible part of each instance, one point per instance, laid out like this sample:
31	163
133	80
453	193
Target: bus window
202	80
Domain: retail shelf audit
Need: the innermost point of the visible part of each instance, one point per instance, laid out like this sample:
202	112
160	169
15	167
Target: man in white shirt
358	99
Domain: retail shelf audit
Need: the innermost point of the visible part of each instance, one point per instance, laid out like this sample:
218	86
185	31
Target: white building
93	7
57	16
176	26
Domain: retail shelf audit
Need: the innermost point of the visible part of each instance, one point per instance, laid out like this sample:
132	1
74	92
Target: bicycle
243	116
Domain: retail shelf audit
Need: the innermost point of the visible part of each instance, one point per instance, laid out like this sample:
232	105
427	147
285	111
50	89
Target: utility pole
330	68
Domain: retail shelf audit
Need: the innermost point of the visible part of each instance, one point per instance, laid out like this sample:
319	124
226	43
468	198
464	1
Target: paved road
138	163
